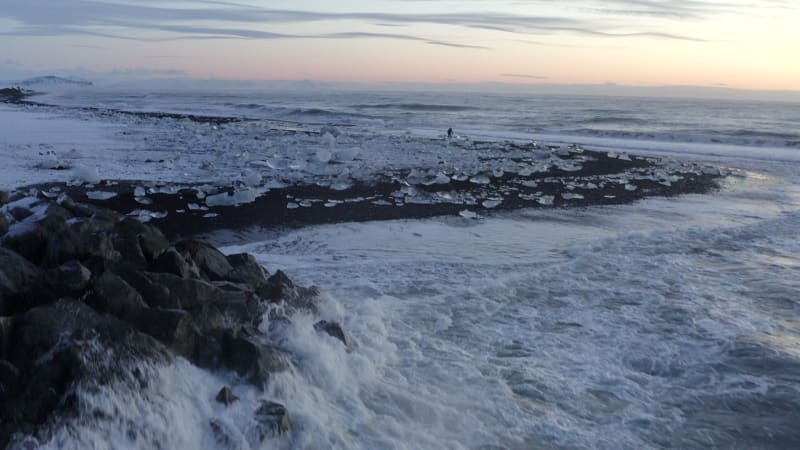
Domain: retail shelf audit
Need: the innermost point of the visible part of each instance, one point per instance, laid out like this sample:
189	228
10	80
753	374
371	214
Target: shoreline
185	210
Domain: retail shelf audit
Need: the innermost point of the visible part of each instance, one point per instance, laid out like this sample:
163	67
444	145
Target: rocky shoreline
576	178
86	294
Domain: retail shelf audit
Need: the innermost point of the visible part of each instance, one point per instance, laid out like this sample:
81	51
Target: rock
77	210
19	213
334	329
112	295
272	419
82	247
3	224
277	287
69	279
226	437
6	330
154	294
189	292
9	379
139	242
251	360
3	198
19	281
32	243
59	345
246	270
170	261
212	263
208	352
226	396
174	328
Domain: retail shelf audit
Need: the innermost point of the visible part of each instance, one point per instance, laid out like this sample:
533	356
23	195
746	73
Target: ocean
667	323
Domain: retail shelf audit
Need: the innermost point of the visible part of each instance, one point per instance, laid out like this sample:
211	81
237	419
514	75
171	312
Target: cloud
523	75
208	19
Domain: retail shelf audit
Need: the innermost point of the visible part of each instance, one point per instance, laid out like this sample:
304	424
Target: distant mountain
50	81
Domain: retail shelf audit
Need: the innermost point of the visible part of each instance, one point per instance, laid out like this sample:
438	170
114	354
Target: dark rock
59	345
170	261
19	213
280	288
224	436
3	198
3	224
139	242
9	379
32	243
6	330
334	329
76	209
189	292
226	396
80	246
277	287
208	351
154	294
272	419
112	295
246	270
208	316
172	327
239	307
251	360
69	279
212	263
19	281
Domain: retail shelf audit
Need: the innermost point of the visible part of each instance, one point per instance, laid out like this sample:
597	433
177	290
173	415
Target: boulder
19	213
251	360
69	279
225	437
212	263
76	209
139	242
9	379
272	419
170	261
226	396
3	197
4	225
172	327
246	270
154	294
335	330
19	281
80	246
278	286
112	295
32	242
190	293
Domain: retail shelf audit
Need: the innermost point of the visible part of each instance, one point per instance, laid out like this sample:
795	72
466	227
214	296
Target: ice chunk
292	205
572	196
251	178
467	214
348	154
87	174
546	200
323	156
492	203
100	195
221	199
328	140
243	196
480	179
630	187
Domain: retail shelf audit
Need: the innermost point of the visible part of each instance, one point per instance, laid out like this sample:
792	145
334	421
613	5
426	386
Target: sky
734	44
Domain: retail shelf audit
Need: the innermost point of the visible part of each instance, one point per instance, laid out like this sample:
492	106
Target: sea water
668	323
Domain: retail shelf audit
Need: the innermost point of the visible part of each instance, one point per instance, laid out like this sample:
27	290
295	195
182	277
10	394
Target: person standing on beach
449	133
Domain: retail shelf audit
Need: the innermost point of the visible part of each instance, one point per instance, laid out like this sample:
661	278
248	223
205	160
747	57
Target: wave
614	119
417	107
743	137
